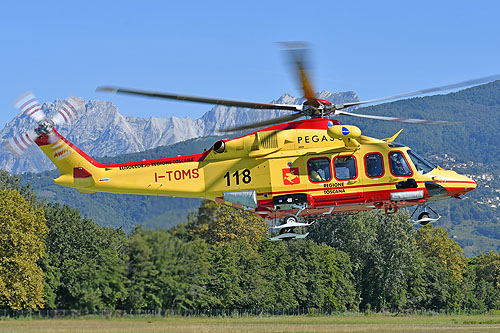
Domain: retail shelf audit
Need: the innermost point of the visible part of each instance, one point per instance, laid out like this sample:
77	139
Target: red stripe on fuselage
356	197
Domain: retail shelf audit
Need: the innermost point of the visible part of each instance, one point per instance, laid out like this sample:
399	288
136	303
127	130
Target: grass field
338	323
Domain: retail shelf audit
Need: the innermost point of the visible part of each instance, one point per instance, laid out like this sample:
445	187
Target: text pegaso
314	138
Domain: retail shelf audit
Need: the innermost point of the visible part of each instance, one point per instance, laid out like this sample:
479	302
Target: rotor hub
44	127
317	111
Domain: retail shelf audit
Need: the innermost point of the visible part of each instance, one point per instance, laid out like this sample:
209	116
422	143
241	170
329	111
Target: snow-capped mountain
103	131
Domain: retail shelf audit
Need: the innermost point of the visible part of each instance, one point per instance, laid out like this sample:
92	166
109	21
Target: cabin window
374	165
399	165
319	169
345	167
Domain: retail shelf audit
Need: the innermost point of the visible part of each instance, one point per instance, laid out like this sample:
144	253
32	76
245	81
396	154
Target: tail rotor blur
20	143
28	104
68	112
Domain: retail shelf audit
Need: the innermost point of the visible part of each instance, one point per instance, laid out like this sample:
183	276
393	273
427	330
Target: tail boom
175	176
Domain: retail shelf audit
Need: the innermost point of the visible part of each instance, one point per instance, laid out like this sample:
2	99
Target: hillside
470	147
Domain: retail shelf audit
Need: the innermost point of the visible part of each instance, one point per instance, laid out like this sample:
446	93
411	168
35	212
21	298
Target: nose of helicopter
455	183
468	185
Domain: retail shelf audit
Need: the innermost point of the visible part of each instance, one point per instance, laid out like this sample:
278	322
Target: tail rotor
28	104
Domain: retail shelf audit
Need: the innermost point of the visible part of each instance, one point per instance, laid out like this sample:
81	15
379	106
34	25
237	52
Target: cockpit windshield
421	165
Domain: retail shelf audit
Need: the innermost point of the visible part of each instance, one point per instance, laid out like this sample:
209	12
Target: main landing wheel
423	215
290	219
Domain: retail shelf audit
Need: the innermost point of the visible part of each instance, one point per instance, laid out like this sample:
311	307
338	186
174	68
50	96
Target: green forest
53	257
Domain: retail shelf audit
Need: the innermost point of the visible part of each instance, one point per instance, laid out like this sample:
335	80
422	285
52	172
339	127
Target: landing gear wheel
290	219
423	215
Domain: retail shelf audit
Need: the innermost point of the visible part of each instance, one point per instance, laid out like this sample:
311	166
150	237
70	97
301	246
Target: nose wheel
290	219
424	217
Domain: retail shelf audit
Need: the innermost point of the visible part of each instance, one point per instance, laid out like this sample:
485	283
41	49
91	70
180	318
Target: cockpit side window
374	165
421	165
319	169
345	167
399	165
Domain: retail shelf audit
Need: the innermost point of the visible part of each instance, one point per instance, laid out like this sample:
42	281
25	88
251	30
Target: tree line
53	257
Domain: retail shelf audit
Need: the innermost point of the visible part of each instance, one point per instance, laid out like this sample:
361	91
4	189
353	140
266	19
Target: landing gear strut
424	217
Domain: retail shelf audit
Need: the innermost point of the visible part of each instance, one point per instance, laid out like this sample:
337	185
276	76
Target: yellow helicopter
290	173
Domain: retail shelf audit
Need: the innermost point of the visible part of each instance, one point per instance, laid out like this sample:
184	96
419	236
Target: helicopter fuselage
307	168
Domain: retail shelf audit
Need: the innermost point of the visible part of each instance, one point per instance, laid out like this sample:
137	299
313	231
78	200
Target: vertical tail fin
77	168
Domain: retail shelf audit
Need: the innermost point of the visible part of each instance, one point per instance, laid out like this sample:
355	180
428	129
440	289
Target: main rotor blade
400	120
424	91
250	105
278	120
306	85
298	53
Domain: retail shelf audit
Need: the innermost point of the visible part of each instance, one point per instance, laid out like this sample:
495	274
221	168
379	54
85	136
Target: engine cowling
344	132
219	146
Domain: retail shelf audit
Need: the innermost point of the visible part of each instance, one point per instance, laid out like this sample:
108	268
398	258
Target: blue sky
228	49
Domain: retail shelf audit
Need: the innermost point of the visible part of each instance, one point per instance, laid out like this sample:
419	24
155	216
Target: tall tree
444	268
383	253
488	267
436	243
217	224
84	262
226	277
22	234
320	276
142	273
167	272
277	260
482	282
14	182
